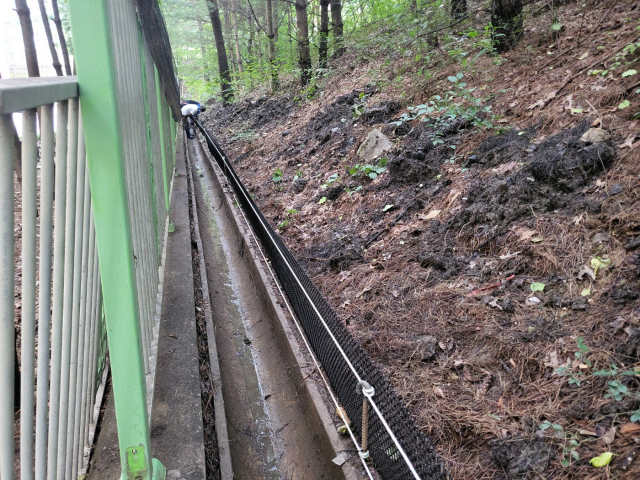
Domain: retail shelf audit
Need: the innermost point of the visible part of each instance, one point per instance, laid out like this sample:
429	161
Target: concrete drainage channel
265	402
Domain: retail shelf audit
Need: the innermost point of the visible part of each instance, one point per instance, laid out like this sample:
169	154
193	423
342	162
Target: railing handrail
18	94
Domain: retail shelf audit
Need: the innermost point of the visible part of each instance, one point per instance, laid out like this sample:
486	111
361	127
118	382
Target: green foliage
368	170
277	175
456	104
330	181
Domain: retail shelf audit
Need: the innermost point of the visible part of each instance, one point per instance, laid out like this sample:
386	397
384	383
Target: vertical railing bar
123	54
7	325
163	145
62	120
82	326
47	174
81	163
69	258
88	352
28	330
141	164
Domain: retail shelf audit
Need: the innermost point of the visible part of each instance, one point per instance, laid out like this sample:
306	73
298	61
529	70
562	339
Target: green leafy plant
277	176
330	181
371	171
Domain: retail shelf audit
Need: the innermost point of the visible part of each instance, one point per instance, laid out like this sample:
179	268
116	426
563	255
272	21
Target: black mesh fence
155	33
307	302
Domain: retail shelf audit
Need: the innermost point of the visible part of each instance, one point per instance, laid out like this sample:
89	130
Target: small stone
615	189
340	459
533	301
595	135
374	145
335	129
285	133
419	155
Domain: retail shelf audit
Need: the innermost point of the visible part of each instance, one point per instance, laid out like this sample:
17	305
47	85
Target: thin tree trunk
337	28
507	22
304	56
237	42
226	86
61	38
324	33
275	79
203	49
250	55
274	7
52	47
27	38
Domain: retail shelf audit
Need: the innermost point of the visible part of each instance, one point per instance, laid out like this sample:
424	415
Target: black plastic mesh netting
155	33
303	296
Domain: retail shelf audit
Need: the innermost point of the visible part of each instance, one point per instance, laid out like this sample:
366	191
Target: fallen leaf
587	433
537	239
586	271
509	256
629	428
438	391
585	292
524	233
583	56
602	460
628	143
537	287
617	324
552	360
609	437
596	122
432	214
394	293
494	304
500	402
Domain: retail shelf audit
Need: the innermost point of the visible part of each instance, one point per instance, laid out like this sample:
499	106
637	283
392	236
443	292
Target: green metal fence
93	219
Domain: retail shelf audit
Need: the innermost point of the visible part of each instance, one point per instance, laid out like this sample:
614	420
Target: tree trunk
507	22
61	38
47	30
274	7
27	38
275	79
250	54
324	33
226	86
337	28
237	42
458	9
304	56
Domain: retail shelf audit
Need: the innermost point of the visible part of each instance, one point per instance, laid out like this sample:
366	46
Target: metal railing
82	248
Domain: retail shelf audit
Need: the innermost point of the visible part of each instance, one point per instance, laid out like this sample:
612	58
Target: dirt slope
434	263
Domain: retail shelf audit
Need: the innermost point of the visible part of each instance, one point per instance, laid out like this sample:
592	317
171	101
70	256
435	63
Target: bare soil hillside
492	273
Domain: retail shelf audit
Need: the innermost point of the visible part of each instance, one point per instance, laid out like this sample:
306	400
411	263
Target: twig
478	290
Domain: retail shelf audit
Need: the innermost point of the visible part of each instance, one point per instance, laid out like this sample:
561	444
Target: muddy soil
490	281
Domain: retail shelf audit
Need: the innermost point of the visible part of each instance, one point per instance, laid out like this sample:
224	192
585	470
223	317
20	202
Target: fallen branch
478	290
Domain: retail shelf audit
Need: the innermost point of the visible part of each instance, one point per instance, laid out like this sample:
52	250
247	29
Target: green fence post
104	142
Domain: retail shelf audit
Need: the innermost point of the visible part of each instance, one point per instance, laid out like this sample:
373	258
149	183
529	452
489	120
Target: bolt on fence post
96	63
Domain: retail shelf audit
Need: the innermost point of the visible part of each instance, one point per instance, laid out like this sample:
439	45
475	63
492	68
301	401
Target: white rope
320	317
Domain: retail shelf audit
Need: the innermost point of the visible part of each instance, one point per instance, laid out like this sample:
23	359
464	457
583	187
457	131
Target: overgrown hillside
484	247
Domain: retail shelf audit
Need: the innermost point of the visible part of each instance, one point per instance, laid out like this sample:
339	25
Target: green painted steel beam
93	47
18	94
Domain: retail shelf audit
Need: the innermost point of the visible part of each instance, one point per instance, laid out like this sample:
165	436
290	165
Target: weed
371	171
277	175
330	181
